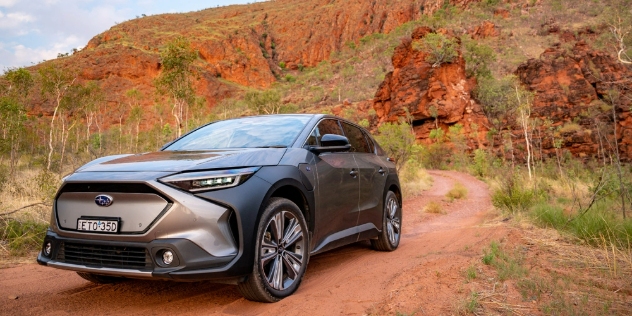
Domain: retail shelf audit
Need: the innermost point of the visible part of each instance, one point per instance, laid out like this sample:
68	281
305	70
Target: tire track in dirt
349	280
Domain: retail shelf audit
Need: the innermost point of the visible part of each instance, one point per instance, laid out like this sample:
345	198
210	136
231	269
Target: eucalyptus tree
55	80
15	87
176	78
135	115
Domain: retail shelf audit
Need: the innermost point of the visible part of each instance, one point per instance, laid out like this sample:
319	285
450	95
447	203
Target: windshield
248	132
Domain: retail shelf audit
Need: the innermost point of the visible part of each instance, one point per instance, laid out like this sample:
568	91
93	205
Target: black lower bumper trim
104	257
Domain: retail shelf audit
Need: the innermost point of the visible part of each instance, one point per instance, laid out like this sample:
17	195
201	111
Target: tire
100	279
388	239
281	255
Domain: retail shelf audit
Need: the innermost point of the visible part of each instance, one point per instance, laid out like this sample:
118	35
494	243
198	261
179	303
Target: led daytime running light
209	180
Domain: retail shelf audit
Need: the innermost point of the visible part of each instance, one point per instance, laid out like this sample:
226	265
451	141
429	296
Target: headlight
209	180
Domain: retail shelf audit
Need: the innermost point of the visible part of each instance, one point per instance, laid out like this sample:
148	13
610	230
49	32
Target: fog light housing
167	257
48	249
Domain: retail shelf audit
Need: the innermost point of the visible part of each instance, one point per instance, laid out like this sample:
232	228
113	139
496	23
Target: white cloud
14	20
7	3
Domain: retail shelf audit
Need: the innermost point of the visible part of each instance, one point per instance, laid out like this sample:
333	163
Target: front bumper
133	259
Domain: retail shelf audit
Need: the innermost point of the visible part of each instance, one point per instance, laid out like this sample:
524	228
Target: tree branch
21	208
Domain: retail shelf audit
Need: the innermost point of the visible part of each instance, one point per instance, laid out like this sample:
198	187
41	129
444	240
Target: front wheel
388	239
281	253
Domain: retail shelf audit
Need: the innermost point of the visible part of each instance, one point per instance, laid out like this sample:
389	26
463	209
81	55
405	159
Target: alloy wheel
282	252
392	220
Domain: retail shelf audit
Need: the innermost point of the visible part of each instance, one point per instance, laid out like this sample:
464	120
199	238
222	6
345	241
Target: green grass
22	236
472	303
470	273
595	226
508	266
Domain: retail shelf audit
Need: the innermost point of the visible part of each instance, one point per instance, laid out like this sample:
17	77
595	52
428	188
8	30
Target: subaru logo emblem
103	200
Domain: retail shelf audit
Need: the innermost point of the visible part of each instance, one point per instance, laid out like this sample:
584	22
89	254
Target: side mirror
331	143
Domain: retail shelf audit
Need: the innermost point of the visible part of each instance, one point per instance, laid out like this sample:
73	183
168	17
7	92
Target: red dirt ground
425	275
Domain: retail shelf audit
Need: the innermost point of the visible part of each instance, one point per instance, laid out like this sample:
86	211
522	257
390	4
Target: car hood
174	161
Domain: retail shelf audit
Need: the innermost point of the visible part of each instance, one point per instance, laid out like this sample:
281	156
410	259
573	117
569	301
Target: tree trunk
50	134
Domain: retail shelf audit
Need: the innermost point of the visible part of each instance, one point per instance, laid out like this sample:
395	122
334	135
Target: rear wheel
100	279
388	239
281	253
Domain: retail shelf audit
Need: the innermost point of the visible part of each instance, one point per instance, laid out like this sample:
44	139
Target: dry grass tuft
24	214
434	208
414	181
457	192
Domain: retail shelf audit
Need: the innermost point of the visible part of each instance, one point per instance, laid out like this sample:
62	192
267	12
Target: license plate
98	225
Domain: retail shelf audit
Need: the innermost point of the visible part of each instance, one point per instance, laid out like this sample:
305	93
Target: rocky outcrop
432	96
574	88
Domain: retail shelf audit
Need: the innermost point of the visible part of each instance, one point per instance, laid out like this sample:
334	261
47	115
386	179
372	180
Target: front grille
121	257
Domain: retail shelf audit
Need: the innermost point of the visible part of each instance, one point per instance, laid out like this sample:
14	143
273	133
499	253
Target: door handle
381	171
353	173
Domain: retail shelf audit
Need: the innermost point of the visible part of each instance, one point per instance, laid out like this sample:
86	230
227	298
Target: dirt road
424	275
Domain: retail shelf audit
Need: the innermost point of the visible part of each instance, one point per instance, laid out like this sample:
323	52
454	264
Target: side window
356	138
324	127
371	144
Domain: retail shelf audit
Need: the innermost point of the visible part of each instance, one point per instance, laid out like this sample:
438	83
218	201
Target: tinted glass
370	141
248	132
324	127
356	138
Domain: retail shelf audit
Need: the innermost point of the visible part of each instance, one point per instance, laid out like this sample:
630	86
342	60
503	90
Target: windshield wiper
272	146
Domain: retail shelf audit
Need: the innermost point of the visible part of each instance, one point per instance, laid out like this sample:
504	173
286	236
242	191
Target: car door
337	193
372	178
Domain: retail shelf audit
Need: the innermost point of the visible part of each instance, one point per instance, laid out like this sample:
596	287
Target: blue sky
36	30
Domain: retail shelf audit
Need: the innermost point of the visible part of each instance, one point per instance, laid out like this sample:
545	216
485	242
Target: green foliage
596	226
175	79
47	182
481	163
19	82
398	141
498	99
470	273
514	195
22	236
477	57
438	47
508	266
472	304
282	65
437	135
264	102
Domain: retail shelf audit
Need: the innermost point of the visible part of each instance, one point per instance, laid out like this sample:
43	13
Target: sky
35	30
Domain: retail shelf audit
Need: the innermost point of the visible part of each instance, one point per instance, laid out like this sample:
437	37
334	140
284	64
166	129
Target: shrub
513	195
481	163
22	236
436	156
477	58
398	141
438	47
570	127
48	183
